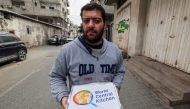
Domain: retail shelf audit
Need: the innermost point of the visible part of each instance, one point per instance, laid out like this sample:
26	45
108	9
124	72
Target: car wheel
21	55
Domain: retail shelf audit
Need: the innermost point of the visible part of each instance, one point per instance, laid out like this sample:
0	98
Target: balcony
50	1
42	12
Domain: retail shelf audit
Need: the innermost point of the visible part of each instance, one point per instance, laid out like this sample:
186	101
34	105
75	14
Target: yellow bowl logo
83	97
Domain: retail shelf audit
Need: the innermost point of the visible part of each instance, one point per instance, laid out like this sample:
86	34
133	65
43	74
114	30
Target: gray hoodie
85	65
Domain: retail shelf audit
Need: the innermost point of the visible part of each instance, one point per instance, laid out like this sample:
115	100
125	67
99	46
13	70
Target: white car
69	40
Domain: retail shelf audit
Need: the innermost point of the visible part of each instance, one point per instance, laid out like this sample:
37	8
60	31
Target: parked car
56	40
63	40
11	48
69	40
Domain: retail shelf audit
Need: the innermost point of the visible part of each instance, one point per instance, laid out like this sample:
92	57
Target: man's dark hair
94	6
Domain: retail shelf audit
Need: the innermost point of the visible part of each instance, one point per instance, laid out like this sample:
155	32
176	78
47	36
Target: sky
75	6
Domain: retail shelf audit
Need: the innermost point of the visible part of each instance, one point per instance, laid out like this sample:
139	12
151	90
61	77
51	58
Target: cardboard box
94	96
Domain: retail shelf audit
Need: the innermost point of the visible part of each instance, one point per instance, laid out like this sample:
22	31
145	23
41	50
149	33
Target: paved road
25	85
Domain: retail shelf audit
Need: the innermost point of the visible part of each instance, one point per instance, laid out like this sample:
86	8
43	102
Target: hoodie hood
83	45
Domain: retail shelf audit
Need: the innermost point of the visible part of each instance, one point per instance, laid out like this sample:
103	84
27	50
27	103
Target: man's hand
118	90
64	102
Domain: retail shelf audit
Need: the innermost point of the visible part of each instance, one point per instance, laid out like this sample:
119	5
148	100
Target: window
120	3
16	38
36	4
18	3
29	29
7	39
7	16
12	31
65	13
51	8
43	7
2	6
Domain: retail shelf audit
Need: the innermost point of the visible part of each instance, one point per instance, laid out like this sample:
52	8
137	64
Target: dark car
56	40
11	48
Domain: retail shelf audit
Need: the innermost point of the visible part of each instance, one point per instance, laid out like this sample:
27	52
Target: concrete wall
136	26
159	29
39	31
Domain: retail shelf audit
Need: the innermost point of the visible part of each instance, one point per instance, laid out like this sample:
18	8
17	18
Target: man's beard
96	38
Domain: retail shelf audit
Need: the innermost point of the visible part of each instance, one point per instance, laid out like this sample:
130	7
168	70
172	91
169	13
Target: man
57	40
87	59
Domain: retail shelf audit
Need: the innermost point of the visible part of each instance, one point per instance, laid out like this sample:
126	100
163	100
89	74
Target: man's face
93	26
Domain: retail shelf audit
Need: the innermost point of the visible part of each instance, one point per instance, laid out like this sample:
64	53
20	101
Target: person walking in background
88	59
57	40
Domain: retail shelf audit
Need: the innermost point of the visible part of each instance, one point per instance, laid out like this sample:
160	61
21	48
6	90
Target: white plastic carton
94	96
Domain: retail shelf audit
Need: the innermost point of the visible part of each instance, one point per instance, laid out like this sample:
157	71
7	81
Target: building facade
31	31
34	20
51	11
154	28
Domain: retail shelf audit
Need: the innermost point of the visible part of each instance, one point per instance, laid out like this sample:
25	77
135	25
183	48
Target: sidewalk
135	95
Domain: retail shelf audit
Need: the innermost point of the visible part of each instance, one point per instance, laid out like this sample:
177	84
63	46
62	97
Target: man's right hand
64	102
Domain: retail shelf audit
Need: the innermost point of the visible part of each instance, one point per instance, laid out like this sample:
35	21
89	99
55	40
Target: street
25	85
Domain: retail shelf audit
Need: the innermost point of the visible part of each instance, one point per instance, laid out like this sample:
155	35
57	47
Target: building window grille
120	3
